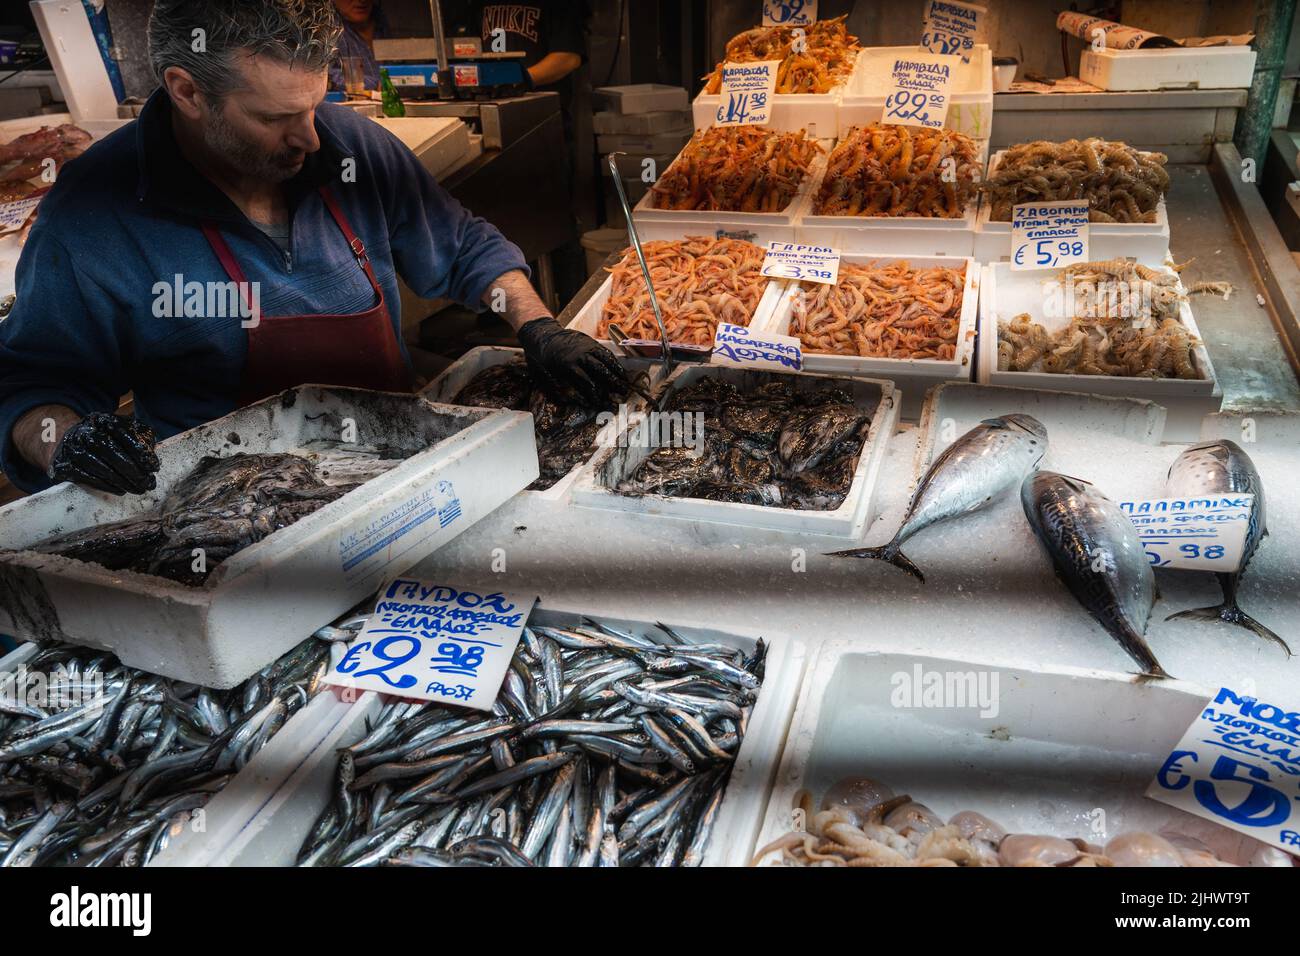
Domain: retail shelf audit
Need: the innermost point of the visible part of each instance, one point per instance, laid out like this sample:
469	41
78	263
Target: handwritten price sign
433	641
739	347
1049	235
796	13
950	27
796	260
747	90
1204	534
1238	764
919	90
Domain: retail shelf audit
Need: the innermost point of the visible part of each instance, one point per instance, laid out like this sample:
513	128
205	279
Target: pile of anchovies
604	748
109	780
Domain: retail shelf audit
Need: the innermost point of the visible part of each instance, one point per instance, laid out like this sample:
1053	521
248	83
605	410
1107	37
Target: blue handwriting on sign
457	659
380	649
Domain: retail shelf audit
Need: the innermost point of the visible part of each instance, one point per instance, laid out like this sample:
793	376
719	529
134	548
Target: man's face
266	128
355	11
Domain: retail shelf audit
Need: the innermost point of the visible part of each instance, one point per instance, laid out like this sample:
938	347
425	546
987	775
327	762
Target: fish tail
1229	613
1136	646
887	552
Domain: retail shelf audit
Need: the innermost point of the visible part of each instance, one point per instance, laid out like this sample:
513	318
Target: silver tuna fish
986	462
1097	553
1222	468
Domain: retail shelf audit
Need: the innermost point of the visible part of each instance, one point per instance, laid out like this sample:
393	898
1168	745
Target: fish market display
769	445
737	169
1221	467
883	311
1098	556
222	506
699	281
111	775
604	748
863	823
566	432
985	463
1122	184
1124	321
884	170
814	59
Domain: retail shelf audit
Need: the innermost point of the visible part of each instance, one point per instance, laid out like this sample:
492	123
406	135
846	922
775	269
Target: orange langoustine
737	169
882	311
885	170
700	281
824	58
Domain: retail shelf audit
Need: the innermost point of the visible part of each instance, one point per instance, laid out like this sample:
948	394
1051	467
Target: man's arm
36	435
513	298
60	351
553	67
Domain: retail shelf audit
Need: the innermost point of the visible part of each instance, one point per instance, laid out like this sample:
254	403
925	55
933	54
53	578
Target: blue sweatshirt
124	217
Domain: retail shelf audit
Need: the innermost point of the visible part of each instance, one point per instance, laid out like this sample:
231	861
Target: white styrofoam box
704	221
913	376
231	808
970	109
641	98
588	318
456	376
439	142
1148	242
1005	294
463	463
1062	743
607	123
643	145
279	821
1172	68
595	487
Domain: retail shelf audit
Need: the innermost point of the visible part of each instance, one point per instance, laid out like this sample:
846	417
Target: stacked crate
647	122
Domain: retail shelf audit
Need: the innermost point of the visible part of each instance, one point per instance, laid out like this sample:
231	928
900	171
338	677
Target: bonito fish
985	463
1216	468
1098	555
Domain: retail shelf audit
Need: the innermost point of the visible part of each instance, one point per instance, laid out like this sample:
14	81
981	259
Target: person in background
550	35
362	22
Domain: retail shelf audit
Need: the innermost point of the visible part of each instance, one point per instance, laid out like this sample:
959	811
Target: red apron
358	350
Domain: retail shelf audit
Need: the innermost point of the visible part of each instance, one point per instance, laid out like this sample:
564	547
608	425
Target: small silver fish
986	462
1099	557
1216	468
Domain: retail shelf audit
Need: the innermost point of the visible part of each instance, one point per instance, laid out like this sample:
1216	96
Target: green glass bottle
392	103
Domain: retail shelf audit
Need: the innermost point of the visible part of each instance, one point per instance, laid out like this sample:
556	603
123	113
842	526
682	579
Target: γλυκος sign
1238	764
918	90
433	641
1049	235
1203	534
747	90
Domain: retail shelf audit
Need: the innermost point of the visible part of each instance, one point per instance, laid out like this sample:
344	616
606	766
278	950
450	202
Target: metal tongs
645	268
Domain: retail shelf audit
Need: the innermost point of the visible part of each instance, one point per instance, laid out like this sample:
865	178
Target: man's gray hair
204	36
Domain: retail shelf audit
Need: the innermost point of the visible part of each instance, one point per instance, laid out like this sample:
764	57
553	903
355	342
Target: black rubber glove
109	452
563	359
